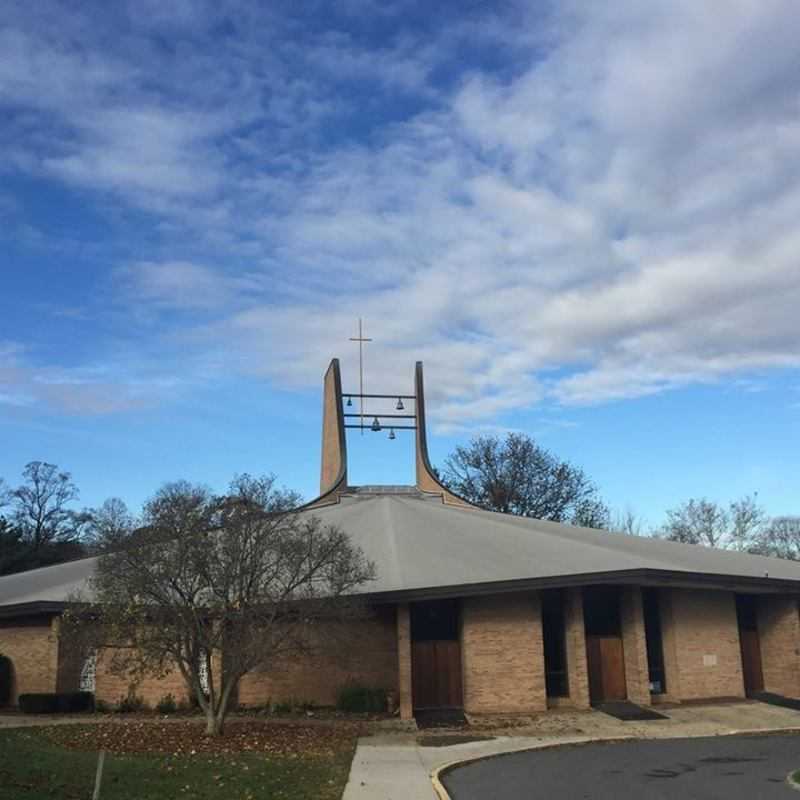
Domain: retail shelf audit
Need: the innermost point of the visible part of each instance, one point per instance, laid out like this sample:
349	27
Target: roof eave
643	577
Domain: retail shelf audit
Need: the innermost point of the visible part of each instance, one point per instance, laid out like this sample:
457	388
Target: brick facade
575	640
634	645
366	654
706	644
404	685
779	637
32	646
502	654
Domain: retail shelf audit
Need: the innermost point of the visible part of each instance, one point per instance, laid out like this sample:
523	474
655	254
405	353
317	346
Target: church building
478	611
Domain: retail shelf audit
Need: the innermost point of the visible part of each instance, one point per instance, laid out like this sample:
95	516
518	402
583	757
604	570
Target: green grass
33	768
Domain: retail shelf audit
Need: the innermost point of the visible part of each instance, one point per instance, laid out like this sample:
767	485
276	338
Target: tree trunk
214	722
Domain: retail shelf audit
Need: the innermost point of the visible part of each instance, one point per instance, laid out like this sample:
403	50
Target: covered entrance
746	614
604	651
436	656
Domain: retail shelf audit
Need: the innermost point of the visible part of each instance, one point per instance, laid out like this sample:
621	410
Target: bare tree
108	523
627	522
780	538
701	521
217	587
40	506
517	476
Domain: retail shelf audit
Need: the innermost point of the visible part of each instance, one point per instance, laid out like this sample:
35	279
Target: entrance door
436	674
604	652
606	668
436	656
749	643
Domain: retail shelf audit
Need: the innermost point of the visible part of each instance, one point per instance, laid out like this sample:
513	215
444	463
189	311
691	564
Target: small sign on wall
710	660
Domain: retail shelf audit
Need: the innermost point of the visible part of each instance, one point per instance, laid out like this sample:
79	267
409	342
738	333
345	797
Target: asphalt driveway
724	768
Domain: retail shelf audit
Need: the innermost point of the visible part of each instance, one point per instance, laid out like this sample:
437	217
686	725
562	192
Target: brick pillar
669	646
779	637
634	646
404	661
575	637
502	654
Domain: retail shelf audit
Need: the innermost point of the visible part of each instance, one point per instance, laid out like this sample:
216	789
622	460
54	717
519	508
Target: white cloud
609	213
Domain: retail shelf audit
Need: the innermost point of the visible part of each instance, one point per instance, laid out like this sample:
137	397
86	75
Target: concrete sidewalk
398	767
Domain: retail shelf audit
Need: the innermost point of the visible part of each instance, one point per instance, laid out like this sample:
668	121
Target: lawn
156	761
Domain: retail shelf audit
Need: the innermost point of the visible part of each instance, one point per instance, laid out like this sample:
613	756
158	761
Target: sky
582	217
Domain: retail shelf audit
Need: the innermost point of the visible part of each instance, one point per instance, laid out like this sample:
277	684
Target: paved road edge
438	773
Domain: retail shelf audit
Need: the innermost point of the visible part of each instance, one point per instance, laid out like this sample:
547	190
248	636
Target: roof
422	547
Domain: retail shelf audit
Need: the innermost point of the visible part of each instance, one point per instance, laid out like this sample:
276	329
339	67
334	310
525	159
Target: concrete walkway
399	767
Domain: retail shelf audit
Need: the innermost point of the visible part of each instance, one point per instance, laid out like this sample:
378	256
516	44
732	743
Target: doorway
555	645
654	641
436	655
747	617
604	651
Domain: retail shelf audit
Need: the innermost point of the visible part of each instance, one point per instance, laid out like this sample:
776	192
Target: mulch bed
180	739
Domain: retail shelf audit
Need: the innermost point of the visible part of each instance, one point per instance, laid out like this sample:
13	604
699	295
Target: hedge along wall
32	645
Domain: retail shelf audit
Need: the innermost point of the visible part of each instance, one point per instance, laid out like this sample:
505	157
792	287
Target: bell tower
338	417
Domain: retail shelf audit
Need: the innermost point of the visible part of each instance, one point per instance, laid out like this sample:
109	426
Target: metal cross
360	339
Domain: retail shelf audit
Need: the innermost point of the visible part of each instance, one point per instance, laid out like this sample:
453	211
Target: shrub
52	703
6	679
355	697
130	703
167	704
102	707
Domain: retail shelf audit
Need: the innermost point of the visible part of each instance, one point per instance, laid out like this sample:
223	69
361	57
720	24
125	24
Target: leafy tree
219	586
515	475
701	521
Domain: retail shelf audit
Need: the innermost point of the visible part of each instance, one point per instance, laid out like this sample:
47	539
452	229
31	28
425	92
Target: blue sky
582	217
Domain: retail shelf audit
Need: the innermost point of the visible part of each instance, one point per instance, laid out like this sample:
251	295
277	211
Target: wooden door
751	661
606	664
436	674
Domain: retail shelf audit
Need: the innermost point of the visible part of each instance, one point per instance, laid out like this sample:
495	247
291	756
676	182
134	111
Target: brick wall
502	654
367	654
575	640
634	645
779	637
706	644
110	687
405	687
32	646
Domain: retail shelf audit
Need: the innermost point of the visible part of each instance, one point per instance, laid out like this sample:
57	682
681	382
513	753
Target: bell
349	401
376	426
399	405
391	433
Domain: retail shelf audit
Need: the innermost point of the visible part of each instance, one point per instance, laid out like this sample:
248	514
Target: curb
438	773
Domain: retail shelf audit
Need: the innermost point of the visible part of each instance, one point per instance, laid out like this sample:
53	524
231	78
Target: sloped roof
423	547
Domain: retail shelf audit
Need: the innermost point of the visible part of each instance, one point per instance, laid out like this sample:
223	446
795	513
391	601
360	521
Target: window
555	649
655	648
88	673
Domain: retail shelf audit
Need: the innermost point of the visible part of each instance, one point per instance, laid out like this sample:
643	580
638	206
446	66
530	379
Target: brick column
575	637
669	646
635	646
779	637
503	654
404	661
